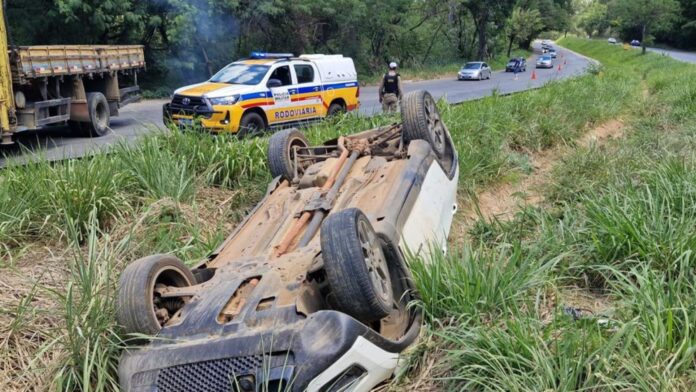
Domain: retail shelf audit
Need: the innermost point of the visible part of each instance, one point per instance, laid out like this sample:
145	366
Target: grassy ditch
594	288
68	228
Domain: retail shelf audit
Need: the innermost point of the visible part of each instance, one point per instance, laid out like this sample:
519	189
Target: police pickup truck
267	90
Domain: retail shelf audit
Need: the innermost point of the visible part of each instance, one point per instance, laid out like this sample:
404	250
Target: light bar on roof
265	55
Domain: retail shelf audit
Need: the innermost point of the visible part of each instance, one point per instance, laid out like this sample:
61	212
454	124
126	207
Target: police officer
390	90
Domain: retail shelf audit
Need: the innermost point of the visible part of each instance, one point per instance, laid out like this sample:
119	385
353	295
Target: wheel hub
375	261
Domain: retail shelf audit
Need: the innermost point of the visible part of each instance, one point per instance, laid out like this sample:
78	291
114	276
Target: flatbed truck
82	86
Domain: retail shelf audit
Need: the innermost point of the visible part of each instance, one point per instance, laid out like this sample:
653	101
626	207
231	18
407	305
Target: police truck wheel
335	109
355	266
140	307
421	120
99	115
252	124
281	153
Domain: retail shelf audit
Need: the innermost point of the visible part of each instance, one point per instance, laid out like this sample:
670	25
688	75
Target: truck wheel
281	153
139	308
421	120
252	124
335	109
99	115
355	266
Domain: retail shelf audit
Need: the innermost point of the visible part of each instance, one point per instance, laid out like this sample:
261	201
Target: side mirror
274	83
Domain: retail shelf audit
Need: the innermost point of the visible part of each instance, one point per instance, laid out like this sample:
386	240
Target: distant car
545	61
510	66
545	42
552	52
612	41
635	42
474	70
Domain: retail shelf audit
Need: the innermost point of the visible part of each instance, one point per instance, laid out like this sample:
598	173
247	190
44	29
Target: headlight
229	100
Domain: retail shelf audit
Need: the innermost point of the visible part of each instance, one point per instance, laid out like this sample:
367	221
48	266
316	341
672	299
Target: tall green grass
619	220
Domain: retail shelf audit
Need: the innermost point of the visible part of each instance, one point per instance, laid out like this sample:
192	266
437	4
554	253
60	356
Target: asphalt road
137	119
688	57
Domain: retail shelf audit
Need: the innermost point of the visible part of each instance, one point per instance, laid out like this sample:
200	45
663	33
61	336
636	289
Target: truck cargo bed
56	60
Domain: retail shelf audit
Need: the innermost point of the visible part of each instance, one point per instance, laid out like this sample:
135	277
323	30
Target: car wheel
335	109
421	120
99	115
251	125
140	308
281	153
355	266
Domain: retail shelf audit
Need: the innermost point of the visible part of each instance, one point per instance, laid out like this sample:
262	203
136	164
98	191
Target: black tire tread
89	127
280	164
345	268
414	118
335	108
246	119
133	308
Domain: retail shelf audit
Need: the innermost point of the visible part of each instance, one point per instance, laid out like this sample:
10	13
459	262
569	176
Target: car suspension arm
300	223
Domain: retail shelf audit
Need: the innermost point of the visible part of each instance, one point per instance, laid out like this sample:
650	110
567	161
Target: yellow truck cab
267	90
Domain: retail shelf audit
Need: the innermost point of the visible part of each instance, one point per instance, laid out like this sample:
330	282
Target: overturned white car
310	292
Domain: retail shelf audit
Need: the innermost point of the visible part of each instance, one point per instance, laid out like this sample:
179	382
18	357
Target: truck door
306	94
279	83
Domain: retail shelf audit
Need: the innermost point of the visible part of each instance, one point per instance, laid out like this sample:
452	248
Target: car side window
305	73
485	65
282	74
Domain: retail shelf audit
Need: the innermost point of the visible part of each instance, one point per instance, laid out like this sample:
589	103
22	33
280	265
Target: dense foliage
671	22
187	40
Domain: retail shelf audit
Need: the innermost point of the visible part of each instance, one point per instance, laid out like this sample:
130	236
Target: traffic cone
565	62
534	75
559	67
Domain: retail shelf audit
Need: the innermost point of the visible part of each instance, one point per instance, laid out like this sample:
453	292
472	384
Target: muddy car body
310	292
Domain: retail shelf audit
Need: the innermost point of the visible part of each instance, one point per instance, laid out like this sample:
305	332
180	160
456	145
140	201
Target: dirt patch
502	201
612	129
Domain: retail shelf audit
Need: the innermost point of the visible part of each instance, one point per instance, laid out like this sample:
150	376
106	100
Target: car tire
251	125
421	120
335	109
99	115
137	300
281	153
356	267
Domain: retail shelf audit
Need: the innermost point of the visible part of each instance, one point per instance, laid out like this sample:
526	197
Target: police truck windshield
241	74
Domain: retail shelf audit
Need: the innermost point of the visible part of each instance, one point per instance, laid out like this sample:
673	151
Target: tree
522	26
594	18
647	15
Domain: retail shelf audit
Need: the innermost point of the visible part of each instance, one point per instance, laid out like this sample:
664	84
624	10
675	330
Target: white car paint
430	220
379	365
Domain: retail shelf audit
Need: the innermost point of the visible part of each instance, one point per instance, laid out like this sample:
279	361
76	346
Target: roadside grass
618	222
620	219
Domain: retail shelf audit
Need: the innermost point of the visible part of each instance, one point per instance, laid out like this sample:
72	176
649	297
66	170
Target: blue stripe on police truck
300	90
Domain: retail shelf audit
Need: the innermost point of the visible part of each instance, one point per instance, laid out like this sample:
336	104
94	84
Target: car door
279	83
486	70
306	93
